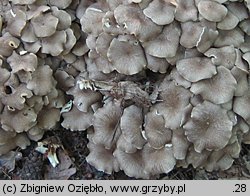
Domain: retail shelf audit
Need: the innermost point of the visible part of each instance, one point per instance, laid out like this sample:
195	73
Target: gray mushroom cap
16	22
80	48
7	44
83	99
238	9
69	44
44	24
191	33
18	120
12	82
102	158
91	21
246	138
125	146
233	37
229	22
104	65
178	79
94	73
186	11
209	127
212	10
160	12
224	158
62	4
180	144
156	64
225	56
166	44
42	81
66	81
28	34
134	1
156	133
76	120
158	161
242	81
196	68
32	47
114	3
102	43
131	126
197	159
244	25
136	23
106	123
131	163
91	42
6	135
241	106
245	47
35	10
54	44
20	140
16	99
35	102
127	58
35	133
239	62
27	62
4	75
218	89
246	57
207	38
1	23
64	19
174	105
110	25
22	2
48	118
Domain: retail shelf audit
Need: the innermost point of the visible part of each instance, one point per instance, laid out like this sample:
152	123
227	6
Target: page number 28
240	188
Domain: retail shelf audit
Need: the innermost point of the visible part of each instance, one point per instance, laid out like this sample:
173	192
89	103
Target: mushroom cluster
157	84
30	99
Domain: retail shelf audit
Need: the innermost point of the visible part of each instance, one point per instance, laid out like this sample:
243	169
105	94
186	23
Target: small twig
5	174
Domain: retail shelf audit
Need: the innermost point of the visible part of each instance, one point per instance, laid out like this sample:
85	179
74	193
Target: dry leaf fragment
49	147
63	170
